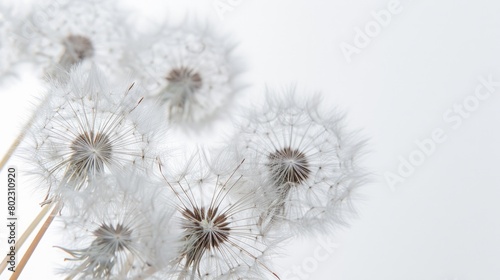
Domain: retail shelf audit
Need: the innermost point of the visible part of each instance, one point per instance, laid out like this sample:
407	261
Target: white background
442	222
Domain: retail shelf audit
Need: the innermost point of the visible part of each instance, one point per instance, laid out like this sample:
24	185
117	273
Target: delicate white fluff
190	68
9	53
123	232
305	158
88	127
219	234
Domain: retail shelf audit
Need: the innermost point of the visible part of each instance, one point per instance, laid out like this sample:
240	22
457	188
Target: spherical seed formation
185	80
191	70
57	35
124	235
88	128
305	159
219	234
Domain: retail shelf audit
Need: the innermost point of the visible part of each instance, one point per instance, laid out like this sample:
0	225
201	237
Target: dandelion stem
14	145
21	135
35	242
26	234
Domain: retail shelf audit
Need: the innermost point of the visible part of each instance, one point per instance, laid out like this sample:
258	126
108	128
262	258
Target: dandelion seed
305	159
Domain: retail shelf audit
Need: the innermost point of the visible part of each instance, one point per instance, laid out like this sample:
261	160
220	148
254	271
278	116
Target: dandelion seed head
73	32
305	158
89	127
191	69
113	238
185	79
101	256
119	234
288	166
77	48
219	236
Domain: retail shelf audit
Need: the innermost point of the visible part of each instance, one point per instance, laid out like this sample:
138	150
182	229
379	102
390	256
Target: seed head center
207	225
208	229
90	151
113	239
186	80
78	48
288	165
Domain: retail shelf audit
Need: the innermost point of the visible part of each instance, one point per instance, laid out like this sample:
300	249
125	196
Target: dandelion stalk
12	148
26	234
35	242
21	135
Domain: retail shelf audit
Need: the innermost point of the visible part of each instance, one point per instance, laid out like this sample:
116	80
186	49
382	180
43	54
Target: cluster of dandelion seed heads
190	69
133	206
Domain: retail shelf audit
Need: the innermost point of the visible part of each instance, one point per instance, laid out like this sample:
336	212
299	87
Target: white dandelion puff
89	128
57	35
219	238
305	158
191	69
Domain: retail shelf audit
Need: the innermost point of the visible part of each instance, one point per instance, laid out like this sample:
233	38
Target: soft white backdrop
442	222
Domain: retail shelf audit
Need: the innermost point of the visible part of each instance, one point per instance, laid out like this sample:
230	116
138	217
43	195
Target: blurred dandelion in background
190	68
73	32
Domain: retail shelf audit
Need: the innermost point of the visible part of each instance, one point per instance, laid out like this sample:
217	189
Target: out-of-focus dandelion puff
124	235
220	237
87	128
9	53
60	34
305	158
192	71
